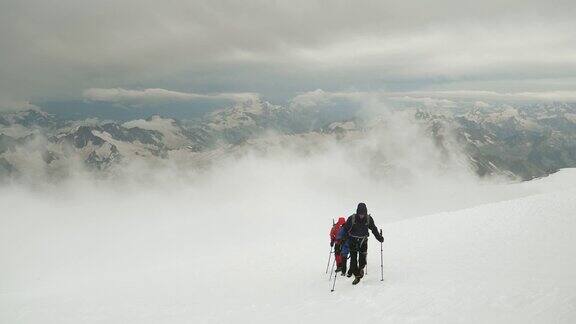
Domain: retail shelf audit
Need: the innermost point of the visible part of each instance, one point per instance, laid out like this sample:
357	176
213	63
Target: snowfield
94	258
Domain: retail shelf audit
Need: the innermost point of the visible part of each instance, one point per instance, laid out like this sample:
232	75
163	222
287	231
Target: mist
144	239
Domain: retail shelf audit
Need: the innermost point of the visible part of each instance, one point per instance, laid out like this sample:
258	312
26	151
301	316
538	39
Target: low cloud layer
430	98
542	96
150	96
319	97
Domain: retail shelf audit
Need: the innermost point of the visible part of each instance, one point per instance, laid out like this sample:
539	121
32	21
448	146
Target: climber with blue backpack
340	245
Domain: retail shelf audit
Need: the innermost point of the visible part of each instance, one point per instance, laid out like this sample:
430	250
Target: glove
380	239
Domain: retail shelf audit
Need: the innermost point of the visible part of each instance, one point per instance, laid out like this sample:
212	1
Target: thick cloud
56	49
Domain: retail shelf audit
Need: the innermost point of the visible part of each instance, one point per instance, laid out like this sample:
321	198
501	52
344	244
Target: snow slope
95	262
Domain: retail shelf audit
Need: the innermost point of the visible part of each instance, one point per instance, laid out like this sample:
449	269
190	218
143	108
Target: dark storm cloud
57	49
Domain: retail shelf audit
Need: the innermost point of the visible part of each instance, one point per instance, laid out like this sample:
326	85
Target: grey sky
58	50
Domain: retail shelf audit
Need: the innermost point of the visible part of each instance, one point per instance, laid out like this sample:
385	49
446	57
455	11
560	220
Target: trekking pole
332	269
381	257
334	283
366	265
330	255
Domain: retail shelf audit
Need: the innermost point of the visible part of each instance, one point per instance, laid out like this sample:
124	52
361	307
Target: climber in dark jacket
356	229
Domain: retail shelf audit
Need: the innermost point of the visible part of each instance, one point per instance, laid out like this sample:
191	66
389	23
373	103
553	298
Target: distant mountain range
525	142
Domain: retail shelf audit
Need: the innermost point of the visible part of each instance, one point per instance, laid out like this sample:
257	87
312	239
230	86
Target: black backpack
368	218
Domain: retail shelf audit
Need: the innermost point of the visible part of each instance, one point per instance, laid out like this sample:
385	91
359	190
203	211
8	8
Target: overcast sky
70	49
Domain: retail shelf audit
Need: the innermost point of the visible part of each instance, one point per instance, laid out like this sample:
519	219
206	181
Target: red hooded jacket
336	227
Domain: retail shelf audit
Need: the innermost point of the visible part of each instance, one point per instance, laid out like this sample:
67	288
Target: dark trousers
358	250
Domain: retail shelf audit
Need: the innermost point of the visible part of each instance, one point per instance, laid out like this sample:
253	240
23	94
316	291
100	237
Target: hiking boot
356	280
349	273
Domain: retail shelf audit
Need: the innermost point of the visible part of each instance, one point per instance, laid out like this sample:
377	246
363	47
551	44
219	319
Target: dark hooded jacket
358	224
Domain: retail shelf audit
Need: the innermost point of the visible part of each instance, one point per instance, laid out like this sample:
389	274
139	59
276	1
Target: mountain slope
138	261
